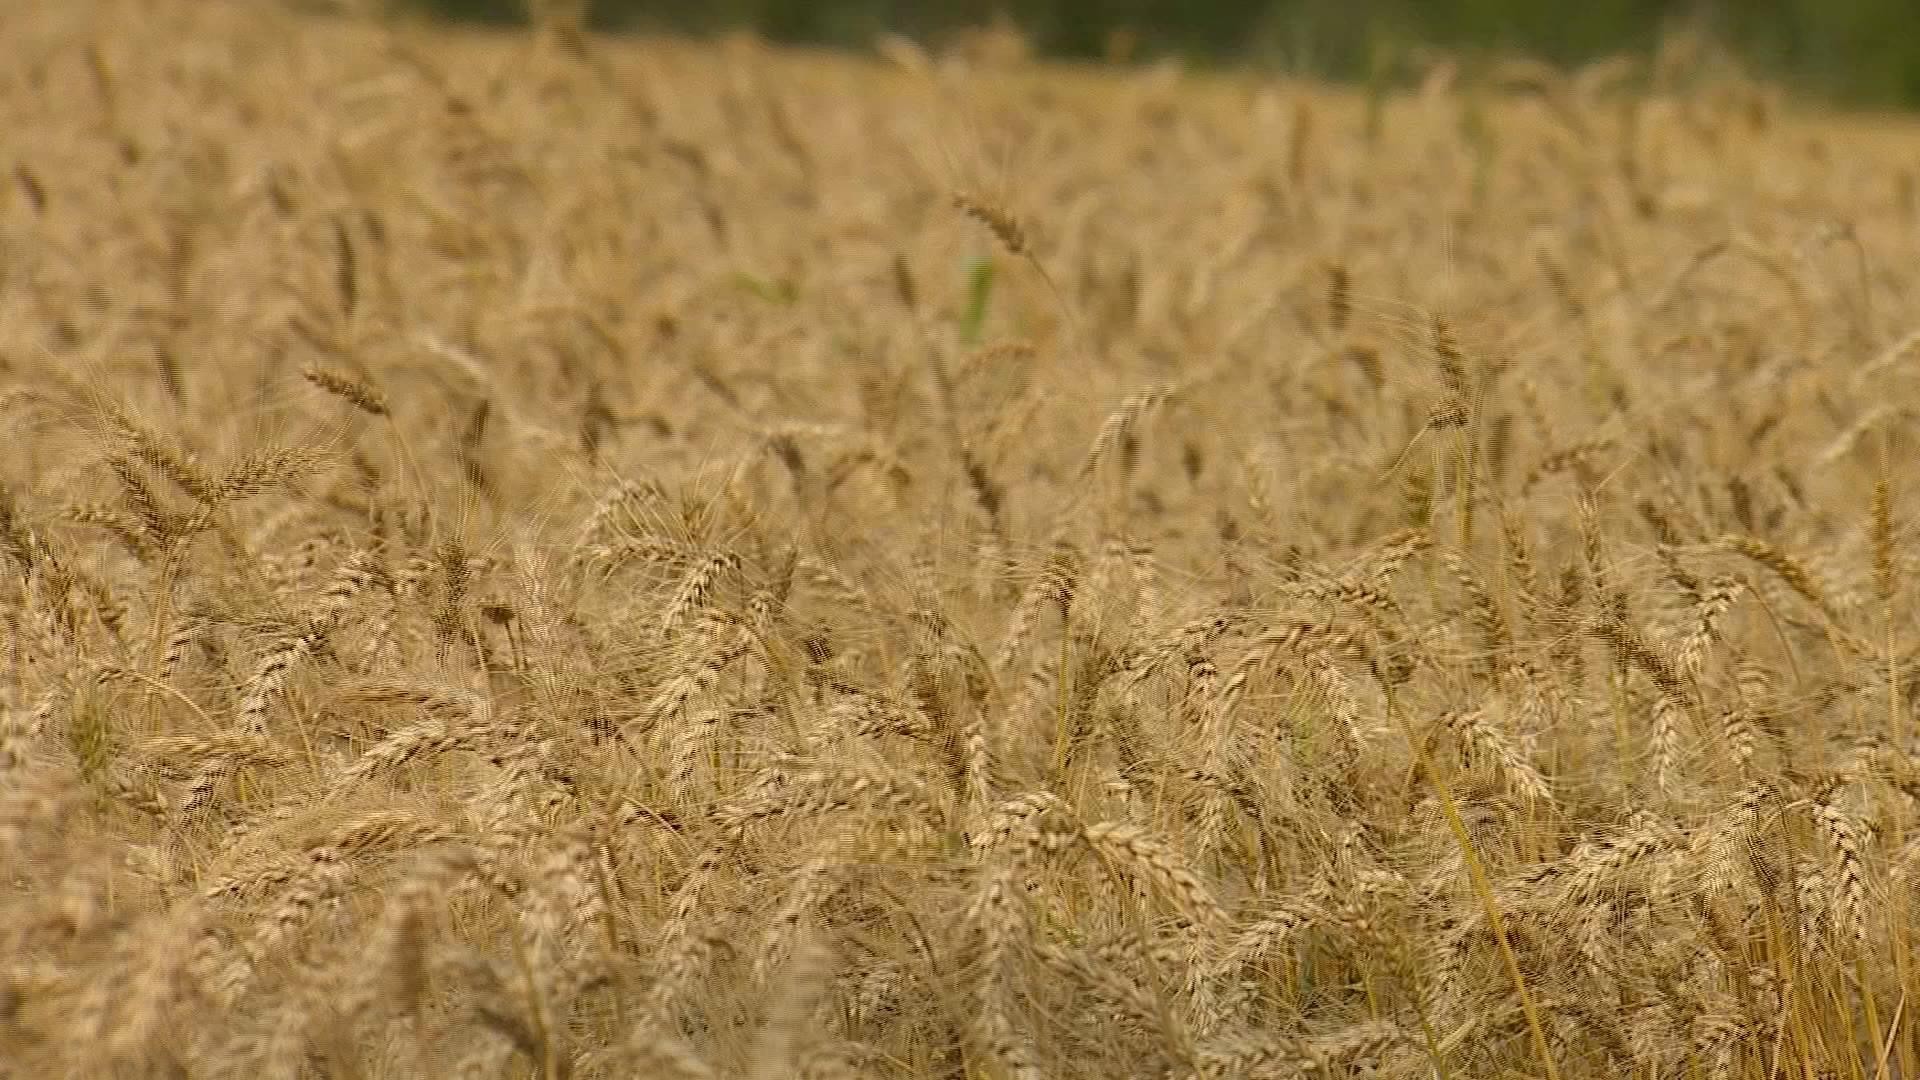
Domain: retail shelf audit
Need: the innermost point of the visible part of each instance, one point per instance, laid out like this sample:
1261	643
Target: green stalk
1483	888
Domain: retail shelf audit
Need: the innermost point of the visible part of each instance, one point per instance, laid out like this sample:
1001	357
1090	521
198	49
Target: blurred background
1857	52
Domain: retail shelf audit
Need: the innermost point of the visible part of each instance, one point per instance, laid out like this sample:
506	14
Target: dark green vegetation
1858	51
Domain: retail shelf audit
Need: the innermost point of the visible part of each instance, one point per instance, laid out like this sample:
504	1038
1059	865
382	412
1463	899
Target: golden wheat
539	555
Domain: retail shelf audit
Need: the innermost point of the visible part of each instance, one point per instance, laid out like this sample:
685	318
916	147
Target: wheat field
532	555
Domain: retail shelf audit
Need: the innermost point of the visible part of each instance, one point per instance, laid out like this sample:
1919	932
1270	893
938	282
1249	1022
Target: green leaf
973	321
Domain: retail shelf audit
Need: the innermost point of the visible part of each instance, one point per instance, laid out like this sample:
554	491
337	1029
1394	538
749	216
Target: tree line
1853	51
